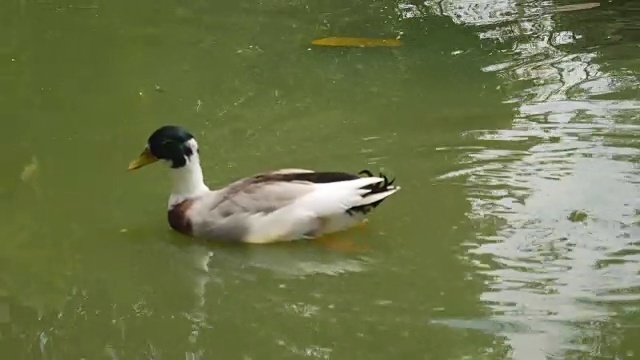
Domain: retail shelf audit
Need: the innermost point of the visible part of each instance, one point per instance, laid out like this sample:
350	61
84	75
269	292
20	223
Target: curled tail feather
376	195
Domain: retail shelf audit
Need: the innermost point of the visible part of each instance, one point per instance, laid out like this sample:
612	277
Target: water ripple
555	197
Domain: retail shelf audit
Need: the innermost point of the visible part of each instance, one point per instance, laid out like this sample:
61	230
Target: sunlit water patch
555	197
557	224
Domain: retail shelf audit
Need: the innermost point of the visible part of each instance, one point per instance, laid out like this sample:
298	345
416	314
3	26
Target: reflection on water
568	151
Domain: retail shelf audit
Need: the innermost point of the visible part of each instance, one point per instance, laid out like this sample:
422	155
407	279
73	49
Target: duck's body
281	205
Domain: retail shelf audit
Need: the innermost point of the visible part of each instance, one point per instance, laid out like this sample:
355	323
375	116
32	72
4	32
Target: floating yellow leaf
574	7
356	42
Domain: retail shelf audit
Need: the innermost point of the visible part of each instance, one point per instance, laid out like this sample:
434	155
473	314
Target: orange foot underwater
338	241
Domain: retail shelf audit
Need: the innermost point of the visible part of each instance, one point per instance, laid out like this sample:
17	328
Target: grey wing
228	213
260	197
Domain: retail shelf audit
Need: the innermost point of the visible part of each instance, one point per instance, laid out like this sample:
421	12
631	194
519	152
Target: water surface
512	127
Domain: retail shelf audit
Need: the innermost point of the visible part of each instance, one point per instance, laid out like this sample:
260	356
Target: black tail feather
374	189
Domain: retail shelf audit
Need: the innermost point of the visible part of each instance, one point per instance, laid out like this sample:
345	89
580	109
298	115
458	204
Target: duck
268	207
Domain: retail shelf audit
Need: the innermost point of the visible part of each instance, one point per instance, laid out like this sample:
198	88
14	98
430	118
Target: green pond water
512	127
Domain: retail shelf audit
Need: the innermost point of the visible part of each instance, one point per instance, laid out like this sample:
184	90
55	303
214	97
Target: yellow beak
145	158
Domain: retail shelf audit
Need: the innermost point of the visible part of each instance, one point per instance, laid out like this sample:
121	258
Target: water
512	127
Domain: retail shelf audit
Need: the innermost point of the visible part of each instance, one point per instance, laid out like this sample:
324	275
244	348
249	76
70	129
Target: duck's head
170	143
